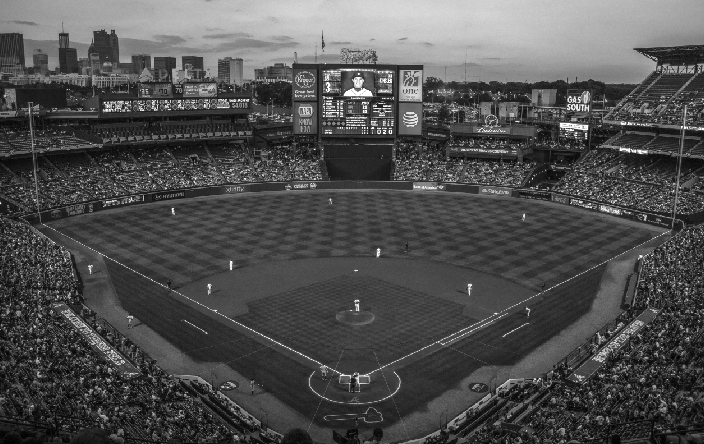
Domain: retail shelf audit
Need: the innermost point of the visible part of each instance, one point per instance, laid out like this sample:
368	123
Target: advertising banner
97	343
583	204
156	197
236	189
428	186
579	101
496	191
411	85
121	201
305	118
534	194
560	199
305	84
200	89
411	119
610	210
587	369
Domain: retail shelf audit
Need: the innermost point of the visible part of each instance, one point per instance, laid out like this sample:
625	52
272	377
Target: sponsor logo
234	189
583	204
167	196
313	185
410	119
305	111
56	214
305	79
491	121
497	130
495	191
478	387
610	210
427	186
411	78
288	187
122	201
561	199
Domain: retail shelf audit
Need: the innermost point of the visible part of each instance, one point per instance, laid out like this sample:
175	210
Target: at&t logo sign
410	119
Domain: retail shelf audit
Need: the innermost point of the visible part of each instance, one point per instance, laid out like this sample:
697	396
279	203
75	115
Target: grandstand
648	382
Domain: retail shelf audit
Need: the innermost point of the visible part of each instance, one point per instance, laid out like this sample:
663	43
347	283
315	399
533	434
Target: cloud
272	19
227	35
248	43
402	38
169	39
372	40
491	58
280	38
167	46
427	44
340	43
22	22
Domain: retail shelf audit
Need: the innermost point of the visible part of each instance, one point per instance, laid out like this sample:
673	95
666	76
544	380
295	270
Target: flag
322	39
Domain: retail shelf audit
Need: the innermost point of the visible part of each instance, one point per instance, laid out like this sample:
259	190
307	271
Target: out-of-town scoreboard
375	101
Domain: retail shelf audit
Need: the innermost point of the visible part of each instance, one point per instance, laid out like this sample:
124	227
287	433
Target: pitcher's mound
352	317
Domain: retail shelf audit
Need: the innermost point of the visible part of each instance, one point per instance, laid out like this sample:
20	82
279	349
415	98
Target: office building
68	61
195	62
115	45
163	67
141	61
12	53
40	62
277	73
63	40
103	46
231	71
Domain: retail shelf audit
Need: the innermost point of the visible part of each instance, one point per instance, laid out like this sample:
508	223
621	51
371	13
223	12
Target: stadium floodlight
679	167
34	159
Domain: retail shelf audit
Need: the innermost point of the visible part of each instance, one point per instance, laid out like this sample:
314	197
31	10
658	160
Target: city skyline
511	40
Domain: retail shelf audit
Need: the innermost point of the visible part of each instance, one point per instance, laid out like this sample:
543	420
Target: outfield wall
658	219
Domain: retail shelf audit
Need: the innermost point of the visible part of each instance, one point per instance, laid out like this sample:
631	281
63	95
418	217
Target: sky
503	40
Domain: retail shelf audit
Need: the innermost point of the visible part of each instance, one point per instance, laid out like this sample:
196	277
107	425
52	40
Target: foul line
446	340
506	334
190	299
194	326
487	321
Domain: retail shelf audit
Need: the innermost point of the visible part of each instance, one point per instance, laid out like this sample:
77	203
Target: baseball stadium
175	271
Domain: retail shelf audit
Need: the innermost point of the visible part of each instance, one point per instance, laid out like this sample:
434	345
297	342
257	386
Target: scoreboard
369	101
577	131
358	102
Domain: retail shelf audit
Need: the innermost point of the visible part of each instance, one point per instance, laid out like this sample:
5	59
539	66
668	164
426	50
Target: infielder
210	288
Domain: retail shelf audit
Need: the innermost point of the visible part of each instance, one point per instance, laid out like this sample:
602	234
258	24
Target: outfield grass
456	238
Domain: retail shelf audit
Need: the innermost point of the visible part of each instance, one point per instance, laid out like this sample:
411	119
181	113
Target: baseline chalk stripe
194	326
274	341
506	334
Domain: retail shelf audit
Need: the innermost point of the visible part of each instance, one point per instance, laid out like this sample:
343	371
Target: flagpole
316	53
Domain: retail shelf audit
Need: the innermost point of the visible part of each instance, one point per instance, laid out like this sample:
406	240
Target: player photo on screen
358	83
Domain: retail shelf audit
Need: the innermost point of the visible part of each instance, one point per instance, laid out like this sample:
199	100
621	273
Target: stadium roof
675	55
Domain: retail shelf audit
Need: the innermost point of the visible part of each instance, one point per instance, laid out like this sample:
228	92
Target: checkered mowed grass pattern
484	234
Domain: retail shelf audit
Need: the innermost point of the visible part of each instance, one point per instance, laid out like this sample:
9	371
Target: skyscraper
63	40
141	61
12	53
68	57
195	62
115	45
102	45
165	64
231	71
40	61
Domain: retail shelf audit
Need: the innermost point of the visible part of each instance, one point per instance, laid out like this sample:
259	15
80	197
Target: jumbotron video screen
358	102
